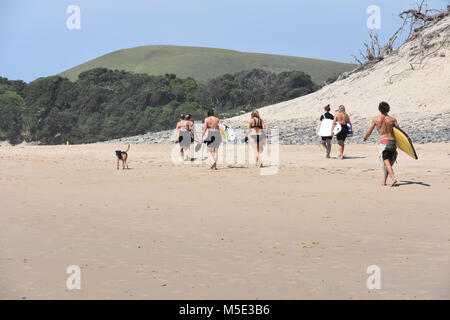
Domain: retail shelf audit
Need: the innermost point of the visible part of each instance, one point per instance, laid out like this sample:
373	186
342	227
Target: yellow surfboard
404	143
222	132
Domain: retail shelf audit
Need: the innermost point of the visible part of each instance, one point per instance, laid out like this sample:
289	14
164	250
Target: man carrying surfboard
388	148
214	138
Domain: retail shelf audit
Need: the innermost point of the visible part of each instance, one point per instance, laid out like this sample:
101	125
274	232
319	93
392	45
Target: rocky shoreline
431	129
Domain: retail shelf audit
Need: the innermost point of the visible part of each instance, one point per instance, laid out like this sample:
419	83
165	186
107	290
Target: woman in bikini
190	129
341	117
257	130
183	136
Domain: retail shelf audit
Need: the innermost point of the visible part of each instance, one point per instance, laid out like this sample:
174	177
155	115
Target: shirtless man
214	138
388	148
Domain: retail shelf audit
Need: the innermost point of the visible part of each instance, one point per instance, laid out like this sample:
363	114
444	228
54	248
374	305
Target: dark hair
384	107
210	112
187	116
182	117
327	108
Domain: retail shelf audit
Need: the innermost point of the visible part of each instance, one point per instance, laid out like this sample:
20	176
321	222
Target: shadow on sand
406	183
350	157
230	168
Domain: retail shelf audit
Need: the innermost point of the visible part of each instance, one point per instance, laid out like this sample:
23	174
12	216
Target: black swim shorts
343	134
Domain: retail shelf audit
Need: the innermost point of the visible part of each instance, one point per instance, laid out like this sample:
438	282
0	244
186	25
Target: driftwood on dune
413	20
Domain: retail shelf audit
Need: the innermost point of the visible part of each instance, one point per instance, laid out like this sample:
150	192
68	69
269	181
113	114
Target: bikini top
257	123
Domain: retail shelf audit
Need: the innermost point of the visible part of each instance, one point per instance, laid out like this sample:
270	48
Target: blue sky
35	42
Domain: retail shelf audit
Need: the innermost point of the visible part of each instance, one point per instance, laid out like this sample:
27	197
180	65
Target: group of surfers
256	135
385	126
185	136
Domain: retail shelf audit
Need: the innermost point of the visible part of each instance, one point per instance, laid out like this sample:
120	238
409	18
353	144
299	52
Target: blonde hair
255	114
342	109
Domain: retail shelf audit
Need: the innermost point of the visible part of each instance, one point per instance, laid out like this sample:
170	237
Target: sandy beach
162	231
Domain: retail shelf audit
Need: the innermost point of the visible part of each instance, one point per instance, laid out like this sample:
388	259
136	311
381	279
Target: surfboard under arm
404	143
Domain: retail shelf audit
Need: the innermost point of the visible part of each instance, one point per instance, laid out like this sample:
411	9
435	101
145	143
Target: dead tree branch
413	19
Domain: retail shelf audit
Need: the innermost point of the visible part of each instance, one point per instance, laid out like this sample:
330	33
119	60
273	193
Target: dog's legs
117	163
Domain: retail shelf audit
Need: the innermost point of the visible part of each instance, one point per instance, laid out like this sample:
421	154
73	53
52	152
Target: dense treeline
105	104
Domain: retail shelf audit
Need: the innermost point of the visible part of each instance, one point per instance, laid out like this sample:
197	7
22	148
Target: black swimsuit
257	124
344	132
390	151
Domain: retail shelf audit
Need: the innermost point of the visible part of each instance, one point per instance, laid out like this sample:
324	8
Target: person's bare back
388	149
214	138
385	126
212	123
342	118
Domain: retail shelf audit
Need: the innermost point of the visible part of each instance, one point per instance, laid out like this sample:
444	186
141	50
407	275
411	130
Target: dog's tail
128	148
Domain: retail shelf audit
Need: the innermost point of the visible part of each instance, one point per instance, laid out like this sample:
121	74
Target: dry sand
161	231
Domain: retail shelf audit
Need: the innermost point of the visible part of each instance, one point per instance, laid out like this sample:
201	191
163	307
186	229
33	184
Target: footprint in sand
309	245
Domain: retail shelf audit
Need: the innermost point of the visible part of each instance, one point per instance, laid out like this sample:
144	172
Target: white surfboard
227	133
325	128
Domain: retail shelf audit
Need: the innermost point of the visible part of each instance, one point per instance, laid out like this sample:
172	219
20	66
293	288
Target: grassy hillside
203	64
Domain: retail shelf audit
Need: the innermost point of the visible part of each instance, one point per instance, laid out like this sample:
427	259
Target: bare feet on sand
394	182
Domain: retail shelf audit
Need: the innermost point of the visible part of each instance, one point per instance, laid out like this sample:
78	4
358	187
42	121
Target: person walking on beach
388	148
326	141
214	138
183	136
190	129
257	130
341	117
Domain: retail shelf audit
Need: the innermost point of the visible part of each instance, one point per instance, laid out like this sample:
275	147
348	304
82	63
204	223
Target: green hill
203	64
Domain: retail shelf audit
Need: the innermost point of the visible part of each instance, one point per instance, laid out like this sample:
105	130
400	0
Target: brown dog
122	155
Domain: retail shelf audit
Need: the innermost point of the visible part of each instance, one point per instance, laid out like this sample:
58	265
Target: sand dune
414	84
182	232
